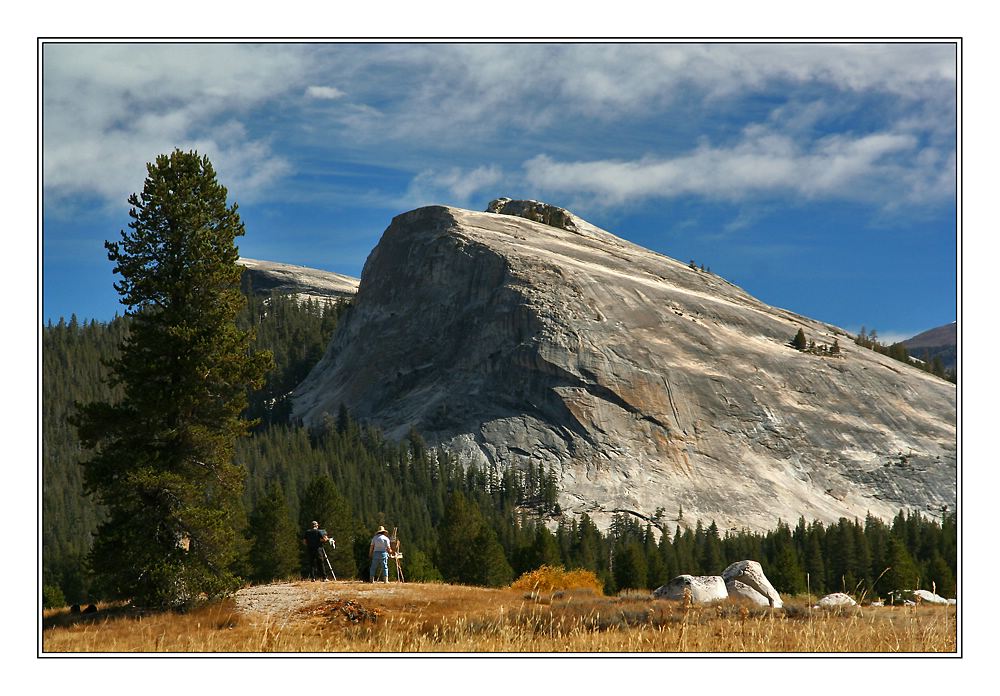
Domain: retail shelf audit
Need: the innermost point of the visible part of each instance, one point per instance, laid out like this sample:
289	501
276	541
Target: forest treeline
898	351
462	525
487	527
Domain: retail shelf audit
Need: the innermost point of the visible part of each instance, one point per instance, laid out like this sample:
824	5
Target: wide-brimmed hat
381	530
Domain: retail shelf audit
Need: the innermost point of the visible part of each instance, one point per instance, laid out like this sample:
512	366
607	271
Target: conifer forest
469	526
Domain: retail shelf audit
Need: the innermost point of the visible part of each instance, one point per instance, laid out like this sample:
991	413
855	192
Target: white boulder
929	597
738	590
752	574
837	599
703	588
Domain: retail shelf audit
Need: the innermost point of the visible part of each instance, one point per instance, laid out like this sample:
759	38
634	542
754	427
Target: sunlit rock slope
645	384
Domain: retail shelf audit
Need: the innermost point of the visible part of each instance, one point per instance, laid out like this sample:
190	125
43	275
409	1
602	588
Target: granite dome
644	383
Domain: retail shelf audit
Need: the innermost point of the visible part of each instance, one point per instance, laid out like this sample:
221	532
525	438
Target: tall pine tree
630	566
273	553
163	461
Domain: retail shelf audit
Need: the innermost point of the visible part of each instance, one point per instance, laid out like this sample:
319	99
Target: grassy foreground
413	617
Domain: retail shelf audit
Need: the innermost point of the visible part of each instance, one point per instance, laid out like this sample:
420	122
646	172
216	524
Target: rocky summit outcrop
265	277
645	384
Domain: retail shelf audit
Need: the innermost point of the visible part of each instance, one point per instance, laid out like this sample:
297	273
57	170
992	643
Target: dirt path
350	602
290	598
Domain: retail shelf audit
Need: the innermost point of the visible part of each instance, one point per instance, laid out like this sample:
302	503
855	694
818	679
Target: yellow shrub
549	578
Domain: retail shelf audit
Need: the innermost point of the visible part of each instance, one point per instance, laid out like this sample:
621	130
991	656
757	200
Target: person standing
314	538
378	552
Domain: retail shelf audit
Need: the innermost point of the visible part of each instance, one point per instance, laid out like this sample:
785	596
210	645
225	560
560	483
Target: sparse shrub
548	578
52	597
419	568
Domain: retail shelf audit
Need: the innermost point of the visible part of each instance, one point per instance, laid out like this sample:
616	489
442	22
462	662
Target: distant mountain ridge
264	277
941	341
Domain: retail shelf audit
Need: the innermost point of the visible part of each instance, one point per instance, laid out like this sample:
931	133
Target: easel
395	553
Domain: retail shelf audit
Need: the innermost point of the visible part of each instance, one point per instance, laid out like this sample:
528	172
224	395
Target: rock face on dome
305	283
529	336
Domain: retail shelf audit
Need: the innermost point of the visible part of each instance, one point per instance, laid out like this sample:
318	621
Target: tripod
326	559
322	561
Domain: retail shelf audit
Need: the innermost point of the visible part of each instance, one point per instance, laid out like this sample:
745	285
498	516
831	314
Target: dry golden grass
355	617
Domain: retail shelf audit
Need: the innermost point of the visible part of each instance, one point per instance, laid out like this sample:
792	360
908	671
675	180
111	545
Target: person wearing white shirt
378	552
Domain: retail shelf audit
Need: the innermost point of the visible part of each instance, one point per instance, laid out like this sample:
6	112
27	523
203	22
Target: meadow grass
348	617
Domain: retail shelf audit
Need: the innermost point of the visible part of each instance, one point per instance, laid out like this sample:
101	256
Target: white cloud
879	167
474	89
109	108
452	186
324	92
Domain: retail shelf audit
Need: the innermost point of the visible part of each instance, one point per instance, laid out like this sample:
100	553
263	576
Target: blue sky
818	177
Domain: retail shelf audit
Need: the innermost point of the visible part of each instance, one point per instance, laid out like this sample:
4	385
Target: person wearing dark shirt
314	538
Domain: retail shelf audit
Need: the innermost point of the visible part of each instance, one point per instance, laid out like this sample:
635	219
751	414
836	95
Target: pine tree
937	366
784	572
863	555
656	570
469	551
273	553
941	576
550	489
544	550
841	557
587	546
491	567
669	560
163	462
799	342
685	552
712	559
814	564
902	572
565	534
630	566
459	559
